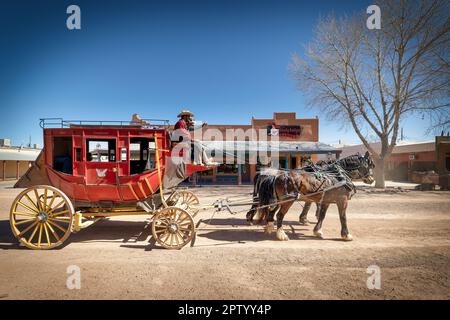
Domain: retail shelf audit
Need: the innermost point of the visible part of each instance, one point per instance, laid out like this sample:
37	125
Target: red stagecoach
90	170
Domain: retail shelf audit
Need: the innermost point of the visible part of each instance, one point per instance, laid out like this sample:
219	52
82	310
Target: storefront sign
284	131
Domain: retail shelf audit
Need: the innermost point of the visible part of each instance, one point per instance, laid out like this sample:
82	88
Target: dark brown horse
279	190
356	166
276	193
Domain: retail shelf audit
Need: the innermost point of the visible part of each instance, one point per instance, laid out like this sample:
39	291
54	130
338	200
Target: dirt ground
407	235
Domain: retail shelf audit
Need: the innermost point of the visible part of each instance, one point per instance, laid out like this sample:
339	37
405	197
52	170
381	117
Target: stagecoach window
62	154
101	150
142	155
135	151
78	154
123	154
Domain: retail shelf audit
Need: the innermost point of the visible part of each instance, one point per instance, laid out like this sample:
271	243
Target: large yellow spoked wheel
41	217
185	199
173	228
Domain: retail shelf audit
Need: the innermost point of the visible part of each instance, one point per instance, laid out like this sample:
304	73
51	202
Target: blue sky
225	60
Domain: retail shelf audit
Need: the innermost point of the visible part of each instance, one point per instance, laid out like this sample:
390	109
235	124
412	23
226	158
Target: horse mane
351	162
314	181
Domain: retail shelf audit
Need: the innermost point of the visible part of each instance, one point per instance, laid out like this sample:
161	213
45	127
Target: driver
183	127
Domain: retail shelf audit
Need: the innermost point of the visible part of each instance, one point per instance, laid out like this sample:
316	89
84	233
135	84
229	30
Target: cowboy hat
185	113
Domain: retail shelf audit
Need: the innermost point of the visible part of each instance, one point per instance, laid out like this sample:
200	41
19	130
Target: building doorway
293	162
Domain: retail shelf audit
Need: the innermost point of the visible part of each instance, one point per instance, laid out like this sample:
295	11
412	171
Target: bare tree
374	79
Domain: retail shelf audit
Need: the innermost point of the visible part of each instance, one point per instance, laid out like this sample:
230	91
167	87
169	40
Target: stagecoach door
101	161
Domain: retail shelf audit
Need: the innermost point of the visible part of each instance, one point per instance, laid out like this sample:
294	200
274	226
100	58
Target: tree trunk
379	173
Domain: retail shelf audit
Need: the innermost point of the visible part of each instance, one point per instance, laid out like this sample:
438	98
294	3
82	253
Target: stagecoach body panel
128	189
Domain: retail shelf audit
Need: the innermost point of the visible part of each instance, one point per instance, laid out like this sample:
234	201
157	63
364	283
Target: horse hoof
249	223
268	228
281	235
304	222
347	237
318	233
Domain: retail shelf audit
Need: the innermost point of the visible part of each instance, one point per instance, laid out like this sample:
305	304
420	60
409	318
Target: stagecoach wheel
41	217
173	227
186	200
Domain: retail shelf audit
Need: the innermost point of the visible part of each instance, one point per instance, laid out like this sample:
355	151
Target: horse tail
267	196
256	184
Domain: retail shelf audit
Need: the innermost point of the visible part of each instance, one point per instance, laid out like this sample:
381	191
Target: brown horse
277	193
356	166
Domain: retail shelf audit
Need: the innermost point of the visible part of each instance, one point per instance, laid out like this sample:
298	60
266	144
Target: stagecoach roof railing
61	123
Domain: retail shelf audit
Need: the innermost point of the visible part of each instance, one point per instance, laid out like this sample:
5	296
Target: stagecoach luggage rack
61	123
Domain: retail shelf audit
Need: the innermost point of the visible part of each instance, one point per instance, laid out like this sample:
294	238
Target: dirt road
407	235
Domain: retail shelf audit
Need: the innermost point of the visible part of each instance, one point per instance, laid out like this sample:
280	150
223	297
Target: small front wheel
173	228
185	199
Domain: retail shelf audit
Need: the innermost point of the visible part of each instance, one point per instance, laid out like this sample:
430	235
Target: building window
227	169
282	161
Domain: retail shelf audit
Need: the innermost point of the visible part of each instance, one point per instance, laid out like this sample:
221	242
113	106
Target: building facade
296	144
15	161
409	158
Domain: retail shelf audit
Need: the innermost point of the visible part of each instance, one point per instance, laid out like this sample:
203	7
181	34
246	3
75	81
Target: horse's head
359	167
366	168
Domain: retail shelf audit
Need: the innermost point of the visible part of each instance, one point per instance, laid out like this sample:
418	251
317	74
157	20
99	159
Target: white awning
271	146
17	154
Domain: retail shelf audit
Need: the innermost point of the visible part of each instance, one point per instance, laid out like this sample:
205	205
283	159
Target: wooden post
214	176
239	174
4	170
252	172
17	169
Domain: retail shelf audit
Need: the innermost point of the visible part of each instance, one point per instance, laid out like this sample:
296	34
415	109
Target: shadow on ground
102	231
137	234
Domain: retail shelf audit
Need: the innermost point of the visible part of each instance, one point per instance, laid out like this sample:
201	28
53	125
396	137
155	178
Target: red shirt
182	126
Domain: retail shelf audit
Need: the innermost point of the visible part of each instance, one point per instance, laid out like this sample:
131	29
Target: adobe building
443	161
15	161
410	160
298	143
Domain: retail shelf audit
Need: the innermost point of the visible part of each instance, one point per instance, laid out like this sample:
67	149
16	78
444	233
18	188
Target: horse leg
251	213
269	222
342	204
303	219
281	235
318	228
317	210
